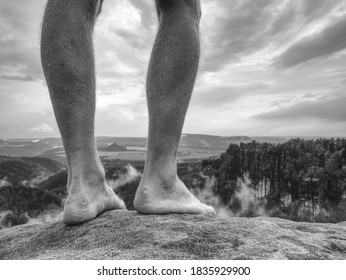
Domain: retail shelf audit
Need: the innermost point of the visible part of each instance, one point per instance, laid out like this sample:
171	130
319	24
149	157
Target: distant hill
18	170
270	139
202	141
123	141
27	149
114	147
53	147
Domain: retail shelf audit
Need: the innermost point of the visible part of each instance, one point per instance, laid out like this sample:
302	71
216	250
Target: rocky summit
129	235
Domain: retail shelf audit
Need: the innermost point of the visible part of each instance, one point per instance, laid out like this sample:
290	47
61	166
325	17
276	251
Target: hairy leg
171	76
68	64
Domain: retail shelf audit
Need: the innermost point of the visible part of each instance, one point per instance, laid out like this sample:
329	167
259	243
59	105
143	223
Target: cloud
218	96
330	40
147	12
25	78
317	8
239	27
240	41
327	109
15	72
19	40
42	128
124	35
214	96
236	30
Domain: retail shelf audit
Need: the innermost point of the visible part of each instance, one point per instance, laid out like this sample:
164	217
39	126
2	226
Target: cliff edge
129	235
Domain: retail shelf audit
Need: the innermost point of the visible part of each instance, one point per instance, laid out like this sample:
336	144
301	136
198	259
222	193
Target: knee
190	8
94	7
77	8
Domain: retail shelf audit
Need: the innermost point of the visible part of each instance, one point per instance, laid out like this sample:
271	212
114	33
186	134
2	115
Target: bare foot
161	196
87	199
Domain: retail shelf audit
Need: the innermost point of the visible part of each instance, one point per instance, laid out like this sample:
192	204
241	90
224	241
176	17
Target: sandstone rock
129	235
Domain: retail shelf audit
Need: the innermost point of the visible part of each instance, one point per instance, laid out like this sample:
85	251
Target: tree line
310	172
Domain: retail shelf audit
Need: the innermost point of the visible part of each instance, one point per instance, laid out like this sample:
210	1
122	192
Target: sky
267	68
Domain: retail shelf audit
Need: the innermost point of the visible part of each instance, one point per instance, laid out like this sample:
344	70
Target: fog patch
250	204
244	202
206	194
10	219
36	180
4	182
53	216
131	175
3	214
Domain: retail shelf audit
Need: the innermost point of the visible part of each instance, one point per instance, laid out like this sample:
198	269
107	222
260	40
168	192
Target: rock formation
129	235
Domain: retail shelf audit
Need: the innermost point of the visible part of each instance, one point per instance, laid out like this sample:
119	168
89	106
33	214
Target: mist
4	182
244	197
36	180
51	216
130	176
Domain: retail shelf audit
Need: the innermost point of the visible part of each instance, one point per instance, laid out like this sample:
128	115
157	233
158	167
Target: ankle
163	179
160	169
87	171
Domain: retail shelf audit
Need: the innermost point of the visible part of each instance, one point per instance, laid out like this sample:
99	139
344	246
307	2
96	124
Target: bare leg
171	76
68	64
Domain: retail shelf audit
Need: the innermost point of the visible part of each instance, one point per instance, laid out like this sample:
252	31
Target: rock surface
128	235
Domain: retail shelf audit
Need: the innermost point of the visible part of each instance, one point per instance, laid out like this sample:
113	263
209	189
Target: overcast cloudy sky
268	67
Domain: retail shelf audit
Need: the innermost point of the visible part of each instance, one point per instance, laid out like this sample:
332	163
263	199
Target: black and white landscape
297	179
264	139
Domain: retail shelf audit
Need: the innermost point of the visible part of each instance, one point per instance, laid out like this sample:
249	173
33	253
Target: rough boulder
129	235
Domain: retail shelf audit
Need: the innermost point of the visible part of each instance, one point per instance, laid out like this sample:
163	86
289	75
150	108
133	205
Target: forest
19	203
298	179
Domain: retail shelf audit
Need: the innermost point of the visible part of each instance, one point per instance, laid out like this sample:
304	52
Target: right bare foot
88	197
167	196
